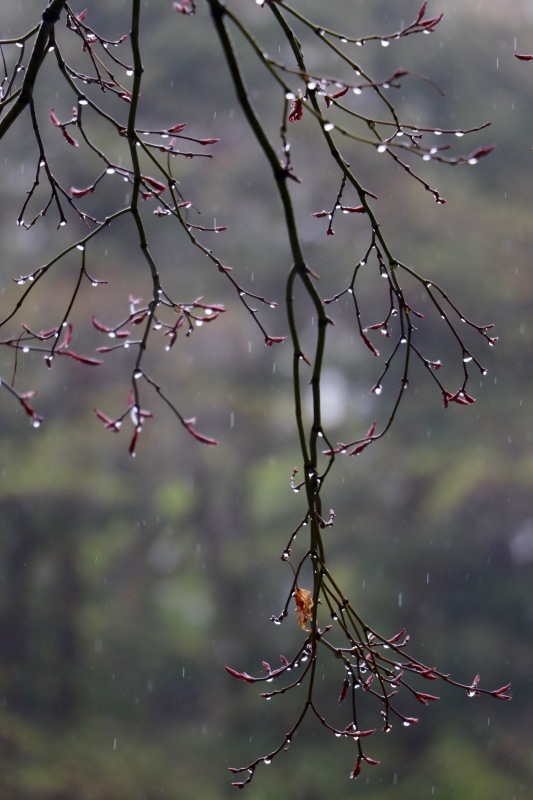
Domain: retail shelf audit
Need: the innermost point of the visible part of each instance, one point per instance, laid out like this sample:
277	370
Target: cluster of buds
373	666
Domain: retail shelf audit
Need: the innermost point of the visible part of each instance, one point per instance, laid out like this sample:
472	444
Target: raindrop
466	358
459	134
62	223
357	90
80	247
382	148
290	96
377	389
385	43
267	761
111	170
25	349
129	73
328	126
36	423
83	102
19	44
137	374
406	724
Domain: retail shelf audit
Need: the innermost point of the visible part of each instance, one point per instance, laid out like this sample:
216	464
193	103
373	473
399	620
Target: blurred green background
127	584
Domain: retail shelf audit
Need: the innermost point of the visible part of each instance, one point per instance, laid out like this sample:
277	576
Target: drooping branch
371	663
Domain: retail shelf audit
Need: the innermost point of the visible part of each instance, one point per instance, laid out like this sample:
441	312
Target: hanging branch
369	663
146	165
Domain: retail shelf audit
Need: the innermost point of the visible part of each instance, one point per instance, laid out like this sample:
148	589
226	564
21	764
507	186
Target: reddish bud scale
340	93
200	438
241	676
344	689
296	112
270	340
424	698
397	637
80	192
91	362
108	422
66	339
357	769
421	12
100	327
185	7
369	344
70	139
354	209
156	185
133	443
482	151
359	449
